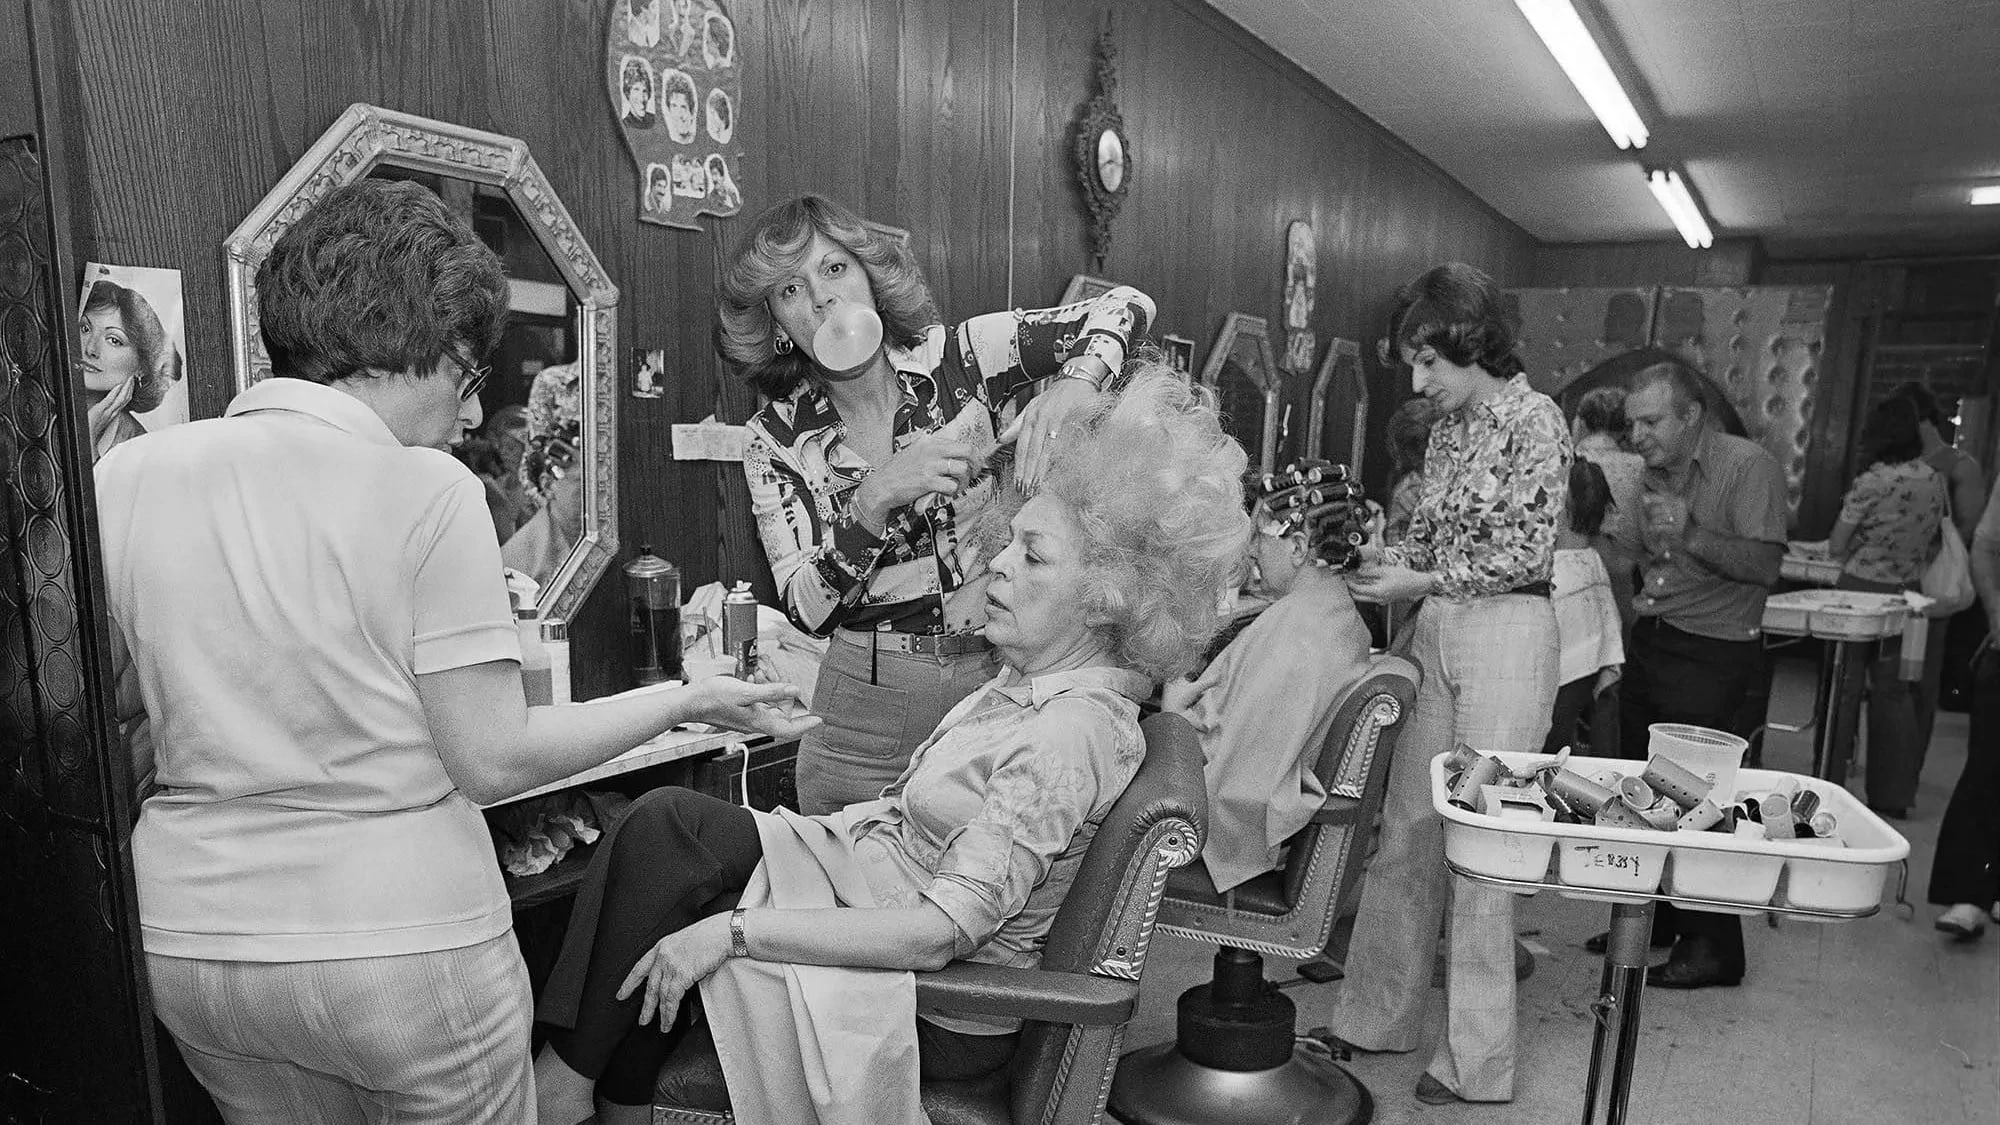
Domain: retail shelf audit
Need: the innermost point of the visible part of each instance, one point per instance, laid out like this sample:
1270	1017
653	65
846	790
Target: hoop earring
782	345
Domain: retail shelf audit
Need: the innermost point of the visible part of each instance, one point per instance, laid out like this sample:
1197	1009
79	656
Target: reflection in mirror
1242	373
545	447
1339	425
525	449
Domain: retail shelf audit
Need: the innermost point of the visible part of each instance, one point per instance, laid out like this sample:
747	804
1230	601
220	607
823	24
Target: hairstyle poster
676	82
131	352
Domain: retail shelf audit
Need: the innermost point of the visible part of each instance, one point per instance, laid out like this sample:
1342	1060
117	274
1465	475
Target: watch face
1110	159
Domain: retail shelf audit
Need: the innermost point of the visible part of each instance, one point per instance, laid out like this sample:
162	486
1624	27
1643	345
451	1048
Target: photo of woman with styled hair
868	466
718	41
635	83
128	359
721	116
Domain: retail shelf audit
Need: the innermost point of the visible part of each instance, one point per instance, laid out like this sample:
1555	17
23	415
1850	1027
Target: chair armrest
1338	810
969	988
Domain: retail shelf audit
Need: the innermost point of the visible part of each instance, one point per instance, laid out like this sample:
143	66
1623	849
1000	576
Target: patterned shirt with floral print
803	473
1895	509
1496	483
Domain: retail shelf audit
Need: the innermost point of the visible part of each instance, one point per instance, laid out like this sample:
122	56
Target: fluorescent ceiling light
1576	52
1680	207
1984	196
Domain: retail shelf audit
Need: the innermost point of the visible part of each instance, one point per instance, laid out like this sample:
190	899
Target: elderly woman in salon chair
1105	587
1264	704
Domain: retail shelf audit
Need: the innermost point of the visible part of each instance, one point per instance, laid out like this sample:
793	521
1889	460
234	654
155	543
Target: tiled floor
1882	1021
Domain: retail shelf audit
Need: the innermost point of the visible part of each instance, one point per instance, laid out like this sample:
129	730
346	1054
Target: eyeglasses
475	377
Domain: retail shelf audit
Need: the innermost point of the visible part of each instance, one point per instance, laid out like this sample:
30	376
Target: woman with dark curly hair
313	646
868	471
129	362
1107	585
1480	552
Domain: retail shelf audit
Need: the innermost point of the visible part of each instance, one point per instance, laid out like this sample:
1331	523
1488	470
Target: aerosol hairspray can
739	629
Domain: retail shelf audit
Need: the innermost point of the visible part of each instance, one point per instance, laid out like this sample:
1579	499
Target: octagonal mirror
548	446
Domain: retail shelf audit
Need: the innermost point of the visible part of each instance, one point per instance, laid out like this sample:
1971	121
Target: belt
927	644
1534	590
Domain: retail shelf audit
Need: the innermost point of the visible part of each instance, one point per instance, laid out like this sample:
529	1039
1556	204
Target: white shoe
1964	921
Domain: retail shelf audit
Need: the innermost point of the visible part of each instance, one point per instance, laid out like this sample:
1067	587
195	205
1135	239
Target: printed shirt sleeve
1861	496
1065	765
1009	350
462	614
816	562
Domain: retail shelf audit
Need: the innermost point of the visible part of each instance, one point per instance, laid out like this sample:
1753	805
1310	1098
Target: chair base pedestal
1160	1086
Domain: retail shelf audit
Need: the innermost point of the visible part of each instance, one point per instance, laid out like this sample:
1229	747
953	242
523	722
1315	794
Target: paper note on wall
710	440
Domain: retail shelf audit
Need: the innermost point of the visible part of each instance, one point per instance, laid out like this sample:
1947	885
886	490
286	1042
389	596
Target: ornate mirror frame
1342	363
1102	151
367	136
1267	377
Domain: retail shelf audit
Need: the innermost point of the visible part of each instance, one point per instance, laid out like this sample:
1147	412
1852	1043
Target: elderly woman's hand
726	701
1036	432
675	964
1385	582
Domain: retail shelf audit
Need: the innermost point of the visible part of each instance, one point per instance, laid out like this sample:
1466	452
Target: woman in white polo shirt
314	646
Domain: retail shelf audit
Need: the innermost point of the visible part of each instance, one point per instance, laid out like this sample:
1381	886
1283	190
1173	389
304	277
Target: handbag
1947	581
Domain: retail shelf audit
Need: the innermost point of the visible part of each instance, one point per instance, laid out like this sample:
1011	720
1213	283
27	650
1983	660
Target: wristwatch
739	945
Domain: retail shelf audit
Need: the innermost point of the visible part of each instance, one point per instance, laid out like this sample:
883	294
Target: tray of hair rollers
1685	824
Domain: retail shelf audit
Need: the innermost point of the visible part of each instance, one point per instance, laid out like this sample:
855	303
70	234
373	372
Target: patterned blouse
1496	483
1895	510
832	571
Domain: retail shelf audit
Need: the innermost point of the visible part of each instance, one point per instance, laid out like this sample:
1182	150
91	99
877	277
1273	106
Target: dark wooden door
76	1043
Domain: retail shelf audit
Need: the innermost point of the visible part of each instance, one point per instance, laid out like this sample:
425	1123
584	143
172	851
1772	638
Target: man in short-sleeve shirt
1706	549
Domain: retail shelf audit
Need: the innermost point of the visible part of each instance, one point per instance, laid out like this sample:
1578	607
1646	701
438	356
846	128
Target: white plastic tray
1743	876
1809	563
1842	615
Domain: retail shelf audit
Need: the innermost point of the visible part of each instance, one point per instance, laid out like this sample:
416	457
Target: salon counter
703	761
673	746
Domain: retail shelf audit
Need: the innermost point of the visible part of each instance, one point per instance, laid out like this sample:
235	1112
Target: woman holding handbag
1885	539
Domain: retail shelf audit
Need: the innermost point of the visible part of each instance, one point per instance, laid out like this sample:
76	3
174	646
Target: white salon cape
813	1044
1266	712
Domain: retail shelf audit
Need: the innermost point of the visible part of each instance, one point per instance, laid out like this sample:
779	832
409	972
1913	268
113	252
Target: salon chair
1236	1057
1076	1004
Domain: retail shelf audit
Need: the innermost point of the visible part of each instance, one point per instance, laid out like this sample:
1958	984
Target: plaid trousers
1490	669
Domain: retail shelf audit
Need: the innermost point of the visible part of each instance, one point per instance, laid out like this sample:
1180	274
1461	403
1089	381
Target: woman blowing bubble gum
868	467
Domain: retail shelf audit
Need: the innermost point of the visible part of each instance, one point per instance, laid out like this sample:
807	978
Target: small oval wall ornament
1102	151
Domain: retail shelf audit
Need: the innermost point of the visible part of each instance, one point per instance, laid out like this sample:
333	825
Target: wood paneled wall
184	114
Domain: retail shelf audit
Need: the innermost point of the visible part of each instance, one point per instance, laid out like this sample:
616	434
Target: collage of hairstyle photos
676	86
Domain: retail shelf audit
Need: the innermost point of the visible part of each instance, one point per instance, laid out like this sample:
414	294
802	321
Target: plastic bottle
536	681
555	642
